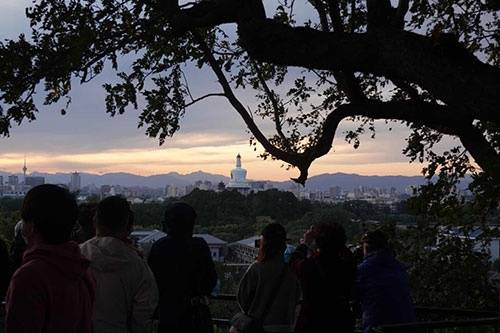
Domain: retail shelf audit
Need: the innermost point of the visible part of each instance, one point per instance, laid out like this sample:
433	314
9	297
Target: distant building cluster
370	194
18	185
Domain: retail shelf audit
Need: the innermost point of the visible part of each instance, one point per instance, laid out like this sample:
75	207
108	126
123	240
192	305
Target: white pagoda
239	178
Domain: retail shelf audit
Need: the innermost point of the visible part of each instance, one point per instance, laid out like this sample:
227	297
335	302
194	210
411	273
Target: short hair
274	242
376	240
86	214
179	219
114	213
52	210
330	236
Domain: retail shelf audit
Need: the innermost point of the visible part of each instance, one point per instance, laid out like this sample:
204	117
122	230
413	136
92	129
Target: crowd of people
76	270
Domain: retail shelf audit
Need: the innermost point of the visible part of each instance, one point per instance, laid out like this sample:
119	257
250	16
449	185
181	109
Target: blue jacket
383	290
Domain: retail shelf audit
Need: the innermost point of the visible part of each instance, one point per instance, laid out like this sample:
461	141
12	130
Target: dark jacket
327	283
4	269
258	285
53	291
16	252
183	268
383	290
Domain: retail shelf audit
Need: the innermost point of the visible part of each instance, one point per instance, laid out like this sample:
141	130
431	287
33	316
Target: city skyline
253	165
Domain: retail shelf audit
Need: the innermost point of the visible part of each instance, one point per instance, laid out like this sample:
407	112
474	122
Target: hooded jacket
383	289
53	291
126	294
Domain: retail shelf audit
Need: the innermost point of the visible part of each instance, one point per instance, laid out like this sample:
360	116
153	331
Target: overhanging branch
288	157
447	71
439	117
385	51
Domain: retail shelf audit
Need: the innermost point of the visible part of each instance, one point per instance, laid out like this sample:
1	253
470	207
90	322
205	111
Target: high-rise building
335	192
75	182
105	190
33	181
13	180
171	191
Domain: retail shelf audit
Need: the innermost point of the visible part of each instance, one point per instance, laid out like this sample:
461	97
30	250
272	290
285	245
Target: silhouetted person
4	269
53	290
382	285
269	291
184	270
126	294
85	228
4	277
327	279
17	248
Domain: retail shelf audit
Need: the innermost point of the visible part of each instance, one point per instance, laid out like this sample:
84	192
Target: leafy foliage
73	41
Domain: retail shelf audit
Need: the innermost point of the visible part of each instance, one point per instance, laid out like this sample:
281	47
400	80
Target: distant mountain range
320	182
128	179
350	181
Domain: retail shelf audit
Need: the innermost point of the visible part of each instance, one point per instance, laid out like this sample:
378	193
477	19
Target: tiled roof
211	240
148	236
248	241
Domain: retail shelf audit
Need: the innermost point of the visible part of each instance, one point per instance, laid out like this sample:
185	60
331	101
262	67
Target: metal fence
462	319
465	319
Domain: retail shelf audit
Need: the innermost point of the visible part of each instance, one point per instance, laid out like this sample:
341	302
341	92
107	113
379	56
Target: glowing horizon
211	159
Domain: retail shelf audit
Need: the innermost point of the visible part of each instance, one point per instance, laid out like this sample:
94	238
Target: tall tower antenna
25	168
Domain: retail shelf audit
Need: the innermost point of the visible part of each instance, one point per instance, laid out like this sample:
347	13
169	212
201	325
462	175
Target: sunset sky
211	134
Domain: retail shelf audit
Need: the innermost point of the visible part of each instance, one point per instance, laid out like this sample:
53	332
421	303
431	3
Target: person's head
86	215
374	241
49	213
273	242
330	237
114	217
179	220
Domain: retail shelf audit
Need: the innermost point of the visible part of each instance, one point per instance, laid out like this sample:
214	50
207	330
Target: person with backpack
269	292
185	273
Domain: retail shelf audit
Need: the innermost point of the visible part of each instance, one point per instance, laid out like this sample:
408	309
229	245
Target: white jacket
126	293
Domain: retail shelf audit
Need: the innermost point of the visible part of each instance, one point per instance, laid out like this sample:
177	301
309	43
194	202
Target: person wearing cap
184	271
382	285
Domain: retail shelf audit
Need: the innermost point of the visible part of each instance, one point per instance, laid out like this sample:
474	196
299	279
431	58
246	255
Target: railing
430	326
480	319
222	322
475	318
429	310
